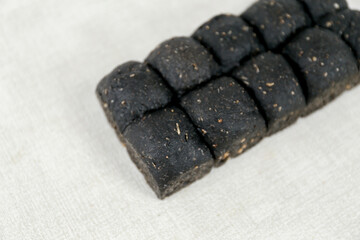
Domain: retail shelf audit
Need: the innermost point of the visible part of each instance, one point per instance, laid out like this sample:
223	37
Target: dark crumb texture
184	63
337	22
352	33
166	148
326	63
226	116
129	91
273	83
320	8
229	38
277	20
346	25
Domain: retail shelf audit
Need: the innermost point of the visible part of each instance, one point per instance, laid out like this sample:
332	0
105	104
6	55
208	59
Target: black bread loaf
197	101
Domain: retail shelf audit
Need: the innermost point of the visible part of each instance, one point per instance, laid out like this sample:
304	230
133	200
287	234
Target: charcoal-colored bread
352	33
275	87
197	101
337	22
184	63
166	148
320	8
277	20
326	63
129	91
226	116
230	39
346	25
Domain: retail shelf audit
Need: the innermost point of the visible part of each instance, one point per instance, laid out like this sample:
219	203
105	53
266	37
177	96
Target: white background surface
64	174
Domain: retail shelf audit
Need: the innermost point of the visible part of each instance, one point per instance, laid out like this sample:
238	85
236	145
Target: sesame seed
256	68
178	129
241	150
226	155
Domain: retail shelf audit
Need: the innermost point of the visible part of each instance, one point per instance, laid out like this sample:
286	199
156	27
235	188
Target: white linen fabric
65	175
